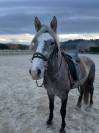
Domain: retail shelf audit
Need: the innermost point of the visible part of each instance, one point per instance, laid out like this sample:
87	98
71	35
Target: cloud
26	38
73	15
18	38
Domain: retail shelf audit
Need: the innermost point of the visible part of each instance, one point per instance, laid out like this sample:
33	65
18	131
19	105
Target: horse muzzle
35	74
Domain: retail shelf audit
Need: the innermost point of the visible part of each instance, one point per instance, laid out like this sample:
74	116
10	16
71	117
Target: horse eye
45	42
52	43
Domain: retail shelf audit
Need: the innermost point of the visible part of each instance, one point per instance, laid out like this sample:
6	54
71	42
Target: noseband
39	55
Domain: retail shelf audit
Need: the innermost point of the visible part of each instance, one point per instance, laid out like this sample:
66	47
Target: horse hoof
90	105
62	131
49	122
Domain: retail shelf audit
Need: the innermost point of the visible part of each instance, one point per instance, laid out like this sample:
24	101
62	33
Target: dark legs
80	98
62	111
91	90
91	94
63	114
51	108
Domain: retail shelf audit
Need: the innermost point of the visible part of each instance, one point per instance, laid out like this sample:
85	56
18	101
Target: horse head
44	43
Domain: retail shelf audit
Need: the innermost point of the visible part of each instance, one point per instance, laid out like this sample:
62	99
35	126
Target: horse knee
51	102
63	107
63	111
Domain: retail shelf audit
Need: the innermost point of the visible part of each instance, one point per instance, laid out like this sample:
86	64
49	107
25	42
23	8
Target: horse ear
53	24
37	24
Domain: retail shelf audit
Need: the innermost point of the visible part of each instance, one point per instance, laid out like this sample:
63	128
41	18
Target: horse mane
46	29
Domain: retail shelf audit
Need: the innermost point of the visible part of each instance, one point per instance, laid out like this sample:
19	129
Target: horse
49	64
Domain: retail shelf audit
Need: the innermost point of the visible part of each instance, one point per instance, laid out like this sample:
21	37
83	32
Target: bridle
44	58
40	56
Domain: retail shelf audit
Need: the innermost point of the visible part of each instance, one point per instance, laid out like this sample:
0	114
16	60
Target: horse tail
89	83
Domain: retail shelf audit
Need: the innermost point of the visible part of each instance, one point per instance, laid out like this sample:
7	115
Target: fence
15	52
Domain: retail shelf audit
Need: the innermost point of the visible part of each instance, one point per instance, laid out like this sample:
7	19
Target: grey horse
49	63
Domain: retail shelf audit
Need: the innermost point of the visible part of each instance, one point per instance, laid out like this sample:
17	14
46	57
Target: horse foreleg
51	108
63	114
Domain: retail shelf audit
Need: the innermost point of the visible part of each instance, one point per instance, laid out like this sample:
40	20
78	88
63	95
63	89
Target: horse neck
58	71
53	66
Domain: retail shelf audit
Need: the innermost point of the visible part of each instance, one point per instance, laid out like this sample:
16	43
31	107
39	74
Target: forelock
46	29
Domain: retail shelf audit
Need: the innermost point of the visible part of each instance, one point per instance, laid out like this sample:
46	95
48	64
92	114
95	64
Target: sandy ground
24	107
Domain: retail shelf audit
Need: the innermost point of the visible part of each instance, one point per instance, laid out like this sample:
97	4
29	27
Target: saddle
71	65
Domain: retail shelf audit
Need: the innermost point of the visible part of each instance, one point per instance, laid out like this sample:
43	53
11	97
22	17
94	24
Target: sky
73	16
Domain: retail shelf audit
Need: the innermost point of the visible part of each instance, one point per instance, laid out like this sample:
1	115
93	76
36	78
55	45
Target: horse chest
56	88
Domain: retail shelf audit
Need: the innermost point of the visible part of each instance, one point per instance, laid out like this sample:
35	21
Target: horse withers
49	63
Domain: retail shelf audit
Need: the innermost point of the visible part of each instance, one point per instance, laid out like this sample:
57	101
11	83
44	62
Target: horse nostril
29	71
38	71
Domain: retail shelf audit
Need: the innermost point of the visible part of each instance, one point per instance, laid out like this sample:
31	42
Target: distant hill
13	46
80	44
